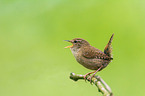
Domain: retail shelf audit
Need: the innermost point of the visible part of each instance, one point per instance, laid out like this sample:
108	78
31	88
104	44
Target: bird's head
77	43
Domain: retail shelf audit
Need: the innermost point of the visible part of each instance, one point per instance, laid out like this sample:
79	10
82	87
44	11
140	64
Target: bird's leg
90	78
88	74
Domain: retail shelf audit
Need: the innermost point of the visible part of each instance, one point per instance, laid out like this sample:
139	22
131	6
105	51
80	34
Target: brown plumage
89	56
108	48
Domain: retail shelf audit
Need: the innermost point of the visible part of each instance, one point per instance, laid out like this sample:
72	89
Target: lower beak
68	46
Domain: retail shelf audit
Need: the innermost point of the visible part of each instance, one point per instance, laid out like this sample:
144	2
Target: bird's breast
75	52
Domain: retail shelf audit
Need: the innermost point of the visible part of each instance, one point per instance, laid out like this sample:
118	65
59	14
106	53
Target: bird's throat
75	51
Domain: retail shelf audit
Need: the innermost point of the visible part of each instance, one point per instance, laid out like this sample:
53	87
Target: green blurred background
33	61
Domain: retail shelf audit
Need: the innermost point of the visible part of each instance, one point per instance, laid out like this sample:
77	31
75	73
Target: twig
97	80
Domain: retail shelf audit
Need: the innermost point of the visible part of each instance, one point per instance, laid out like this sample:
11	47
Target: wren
89	56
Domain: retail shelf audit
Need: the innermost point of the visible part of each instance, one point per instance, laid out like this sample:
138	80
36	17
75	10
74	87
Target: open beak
68	46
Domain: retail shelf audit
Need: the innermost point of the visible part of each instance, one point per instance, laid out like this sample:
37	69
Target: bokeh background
33	61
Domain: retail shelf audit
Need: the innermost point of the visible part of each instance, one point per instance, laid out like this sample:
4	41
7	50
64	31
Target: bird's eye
75	41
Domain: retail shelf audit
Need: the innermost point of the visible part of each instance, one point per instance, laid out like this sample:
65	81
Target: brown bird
89	56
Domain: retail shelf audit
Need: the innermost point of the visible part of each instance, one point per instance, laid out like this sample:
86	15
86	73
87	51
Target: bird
89	56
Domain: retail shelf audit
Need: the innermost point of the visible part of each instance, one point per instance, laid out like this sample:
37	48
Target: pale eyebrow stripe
78	40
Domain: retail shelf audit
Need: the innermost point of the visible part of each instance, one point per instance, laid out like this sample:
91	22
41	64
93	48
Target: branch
97	80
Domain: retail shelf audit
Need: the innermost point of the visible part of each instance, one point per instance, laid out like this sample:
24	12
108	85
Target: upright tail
108	48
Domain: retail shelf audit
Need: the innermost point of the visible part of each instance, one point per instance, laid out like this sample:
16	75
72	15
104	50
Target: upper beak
67	40
68	46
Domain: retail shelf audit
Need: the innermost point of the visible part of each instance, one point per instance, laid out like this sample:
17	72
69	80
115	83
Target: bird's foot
88	74
90	78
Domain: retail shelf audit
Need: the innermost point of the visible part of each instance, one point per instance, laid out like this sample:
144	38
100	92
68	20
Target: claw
87	74
85	77
90	77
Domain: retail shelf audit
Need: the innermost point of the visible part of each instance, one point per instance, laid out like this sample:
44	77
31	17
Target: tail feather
108	48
